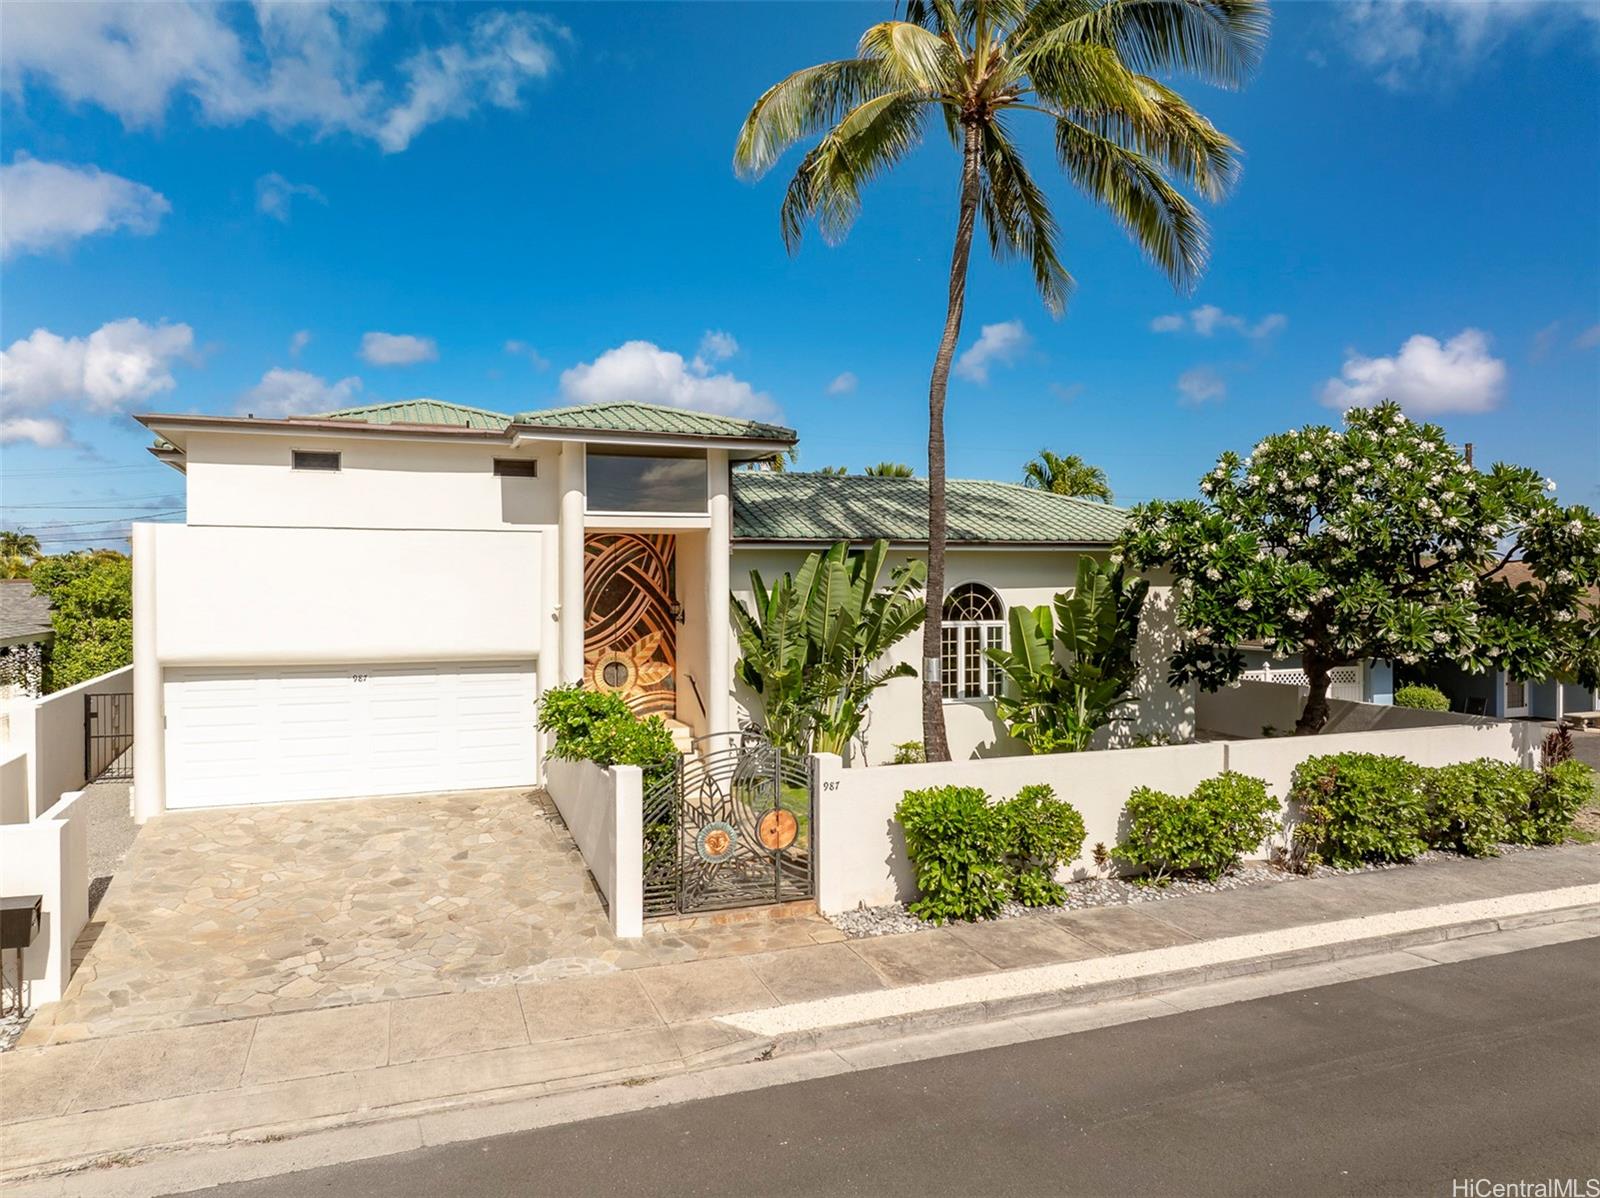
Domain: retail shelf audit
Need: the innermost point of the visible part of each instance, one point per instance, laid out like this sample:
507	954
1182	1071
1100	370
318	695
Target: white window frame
958	684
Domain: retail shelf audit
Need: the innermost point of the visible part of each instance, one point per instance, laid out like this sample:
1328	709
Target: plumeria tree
1378	541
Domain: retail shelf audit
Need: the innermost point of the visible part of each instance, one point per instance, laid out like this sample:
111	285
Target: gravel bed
1088	893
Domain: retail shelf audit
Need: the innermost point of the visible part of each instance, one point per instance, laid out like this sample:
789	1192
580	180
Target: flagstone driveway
248	911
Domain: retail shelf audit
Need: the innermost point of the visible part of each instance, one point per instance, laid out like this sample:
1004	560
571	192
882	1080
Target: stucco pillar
571	563
719	639
149	714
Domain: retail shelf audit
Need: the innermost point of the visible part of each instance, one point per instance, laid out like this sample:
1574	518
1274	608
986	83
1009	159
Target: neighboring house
1359	682
25	638
1496	693
371	601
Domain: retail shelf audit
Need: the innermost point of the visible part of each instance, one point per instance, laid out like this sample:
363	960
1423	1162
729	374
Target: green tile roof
422	411
817	507
626	416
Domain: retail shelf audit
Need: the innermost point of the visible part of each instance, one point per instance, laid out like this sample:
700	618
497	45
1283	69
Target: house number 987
358	677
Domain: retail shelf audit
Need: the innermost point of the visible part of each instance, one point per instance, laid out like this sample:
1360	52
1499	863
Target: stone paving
248	911
282	1074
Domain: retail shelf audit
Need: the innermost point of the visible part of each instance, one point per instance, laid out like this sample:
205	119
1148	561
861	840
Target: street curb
851	1033
383	1131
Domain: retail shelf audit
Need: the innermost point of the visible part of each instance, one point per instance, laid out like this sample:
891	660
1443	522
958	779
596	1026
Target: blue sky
215	209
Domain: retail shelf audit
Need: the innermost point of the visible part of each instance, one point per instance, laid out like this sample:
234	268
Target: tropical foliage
1069	475
18	552
1072	673
1125	139
1377	541
599	726
1203	833
91	611
971	855
1428	698
889	470
813	647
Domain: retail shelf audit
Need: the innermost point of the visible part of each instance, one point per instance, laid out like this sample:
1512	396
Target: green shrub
1428	698
909	752
1042	833
957	842
1203	833
1476	805
1555	798
599	726
1358	807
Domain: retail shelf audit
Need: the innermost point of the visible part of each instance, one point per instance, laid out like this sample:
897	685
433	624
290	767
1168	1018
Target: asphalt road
1393	1085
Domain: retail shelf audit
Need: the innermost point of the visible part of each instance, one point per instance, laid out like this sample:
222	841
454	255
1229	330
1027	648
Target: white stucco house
370	601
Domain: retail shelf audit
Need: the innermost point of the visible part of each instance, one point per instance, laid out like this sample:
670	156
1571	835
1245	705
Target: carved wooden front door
629	634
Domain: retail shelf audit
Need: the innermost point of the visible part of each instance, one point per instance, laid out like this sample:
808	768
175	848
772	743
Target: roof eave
895	543
739	448
164	425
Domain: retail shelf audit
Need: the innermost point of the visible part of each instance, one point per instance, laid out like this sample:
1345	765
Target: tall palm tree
18	552
1069	475
889	470
1123	138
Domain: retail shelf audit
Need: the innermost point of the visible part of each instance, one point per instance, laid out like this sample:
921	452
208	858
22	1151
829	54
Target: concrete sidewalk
120	1098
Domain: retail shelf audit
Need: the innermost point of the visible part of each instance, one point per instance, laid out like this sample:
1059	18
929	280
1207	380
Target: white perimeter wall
604	811
44	759
1245	708
861	850
1027	577
49	857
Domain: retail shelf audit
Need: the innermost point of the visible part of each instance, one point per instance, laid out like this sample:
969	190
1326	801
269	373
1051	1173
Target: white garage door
258	735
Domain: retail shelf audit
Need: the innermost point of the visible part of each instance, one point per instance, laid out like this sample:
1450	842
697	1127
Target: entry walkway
247	911
453	1057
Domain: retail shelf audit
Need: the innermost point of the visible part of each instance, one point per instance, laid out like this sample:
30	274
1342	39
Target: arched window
974	620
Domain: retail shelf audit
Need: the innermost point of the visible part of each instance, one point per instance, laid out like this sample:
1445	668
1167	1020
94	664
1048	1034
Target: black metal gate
730	828
108	737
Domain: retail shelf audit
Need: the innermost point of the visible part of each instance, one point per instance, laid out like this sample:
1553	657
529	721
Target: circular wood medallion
716	842
777	829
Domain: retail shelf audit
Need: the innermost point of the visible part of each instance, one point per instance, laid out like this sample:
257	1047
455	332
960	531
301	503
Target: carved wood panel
629	635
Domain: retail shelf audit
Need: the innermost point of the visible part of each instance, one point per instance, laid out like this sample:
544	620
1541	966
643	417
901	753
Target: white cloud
523	350
397	349
120	363
1589	338
297	393
49	204
646	373
1414	43
298	342
716	346
1199	385
1208	319
843	384
1425	377
45	432
997	345
308	65
275	195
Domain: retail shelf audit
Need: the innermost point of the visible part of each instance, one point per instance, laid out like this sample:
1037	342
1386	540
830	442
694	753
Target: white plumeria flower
1575	527
1441	637
1244	604
1549	484
1214	574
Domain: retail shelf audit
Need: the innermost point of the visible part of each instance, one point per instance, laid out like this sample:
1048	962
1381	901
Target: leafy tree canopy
1069	475
91	597
1378	541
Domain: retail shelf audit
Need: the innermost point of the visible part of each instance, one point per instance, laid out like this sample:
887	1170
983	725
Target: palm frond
803	104
1017	216
1219	41
1154	213
1169	130
911	58
827	187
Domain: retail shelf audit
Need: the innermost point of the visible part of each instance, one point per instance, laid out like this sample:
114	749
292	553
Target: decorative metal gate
108	737
730	828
